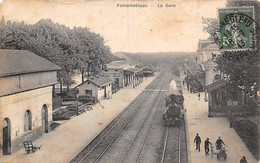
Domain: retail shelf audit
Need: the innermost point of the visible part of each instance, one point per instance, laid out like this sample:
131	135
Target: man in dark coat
206	146
197	140
243	160
219	142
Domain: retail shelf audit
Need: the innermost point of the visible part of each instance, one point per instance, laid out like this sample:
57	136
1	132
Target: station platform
68	139
197	121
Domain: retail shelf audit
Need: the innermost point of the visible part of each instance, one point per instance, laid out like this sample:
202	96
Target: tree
242	73
71	49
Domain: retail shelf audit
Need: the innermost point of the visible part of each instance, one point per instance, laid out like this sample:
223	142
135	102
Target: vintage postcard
129	81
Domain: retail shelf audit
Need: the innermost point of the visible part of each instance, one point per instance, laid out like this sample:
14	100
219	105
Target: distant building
115	71
223	97
206	50
195	77
133	76
98	87
116	74
210	74
148	71
25	97
123	74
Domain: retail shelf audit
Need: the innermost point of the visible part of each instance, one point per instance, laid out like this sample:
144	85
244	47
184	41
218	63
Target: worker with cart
219	143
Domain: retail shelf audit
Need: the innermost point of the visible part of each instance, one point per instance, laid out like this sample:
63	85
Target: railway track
95	150
176	153
131	133
138	143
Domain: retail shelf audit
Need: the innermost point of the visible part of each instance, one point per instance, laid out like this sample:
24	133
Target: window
235	96
116	70
88	93
217	77
106	70
27	120
217	98
233	99
224	97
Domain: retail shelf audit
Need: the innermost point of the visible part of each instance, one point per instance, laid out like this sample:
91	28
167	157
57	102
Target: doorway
6	136
45	125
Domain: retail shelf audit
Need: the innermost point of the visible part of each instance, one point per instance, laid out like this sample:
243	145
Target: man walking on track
197	140
206	146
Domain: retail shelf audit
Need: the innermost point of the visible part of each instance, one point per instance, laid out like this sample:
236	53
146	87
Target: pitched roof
13	62
194	68
148	69
209	47
218	84
98	81
203	43
135	69
119	64
209	62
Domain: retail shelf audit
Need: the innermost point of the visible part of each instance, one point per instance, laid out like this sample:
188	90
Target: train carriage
173	114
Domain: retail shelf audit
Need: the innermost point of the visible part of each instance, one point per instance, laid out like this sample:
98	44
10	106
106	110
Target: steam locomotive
173	115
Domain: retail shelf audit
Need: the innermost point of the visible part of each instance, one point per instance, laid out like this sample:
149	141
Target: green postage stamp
237	28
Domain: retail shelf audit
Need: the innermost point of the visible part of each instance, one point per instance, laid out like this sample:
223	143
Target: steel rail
130	108
165	144
132	141
147	136
123	129
179	145
149	131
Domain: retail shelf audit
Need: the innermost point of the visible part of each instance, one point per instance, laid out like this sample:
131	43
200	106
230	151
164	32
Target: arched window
217	77
27	120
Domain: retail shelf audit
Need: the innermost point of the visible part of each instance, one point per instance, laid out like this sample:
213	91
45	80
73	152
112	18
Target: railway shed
224	96
98	88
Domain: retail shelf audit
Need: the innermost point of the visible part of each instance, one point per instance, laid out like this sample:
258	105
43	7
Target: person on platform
219	143
243	160
197	140
199	96
206	146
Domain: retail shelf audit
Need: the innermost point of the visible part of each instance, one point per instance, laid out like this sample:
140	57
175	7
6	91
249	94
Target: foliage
248	132
235	67
71	49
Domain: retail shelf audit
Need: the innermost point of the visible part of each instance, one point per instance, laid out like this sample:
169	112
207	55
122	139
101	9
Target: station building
195	77
123	74
25	98
210	74
206	49
133	76
115	71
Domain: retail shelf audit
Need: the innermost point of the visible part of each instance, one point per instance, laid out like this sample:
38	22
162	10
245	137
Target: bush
247	130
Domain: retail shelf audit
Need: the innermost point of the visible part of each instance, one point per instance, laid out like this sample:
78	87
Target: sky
150	29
